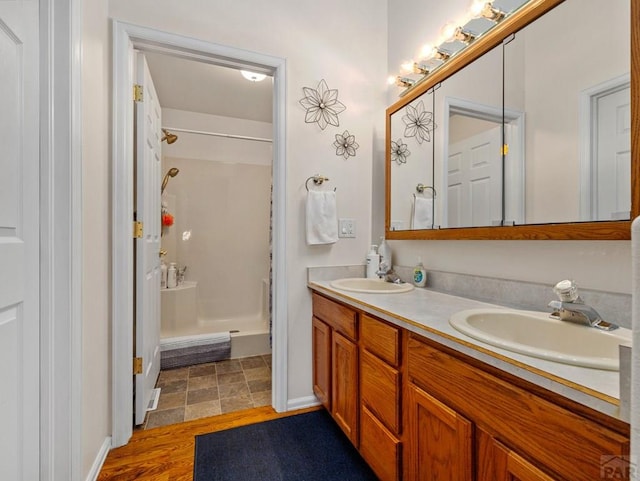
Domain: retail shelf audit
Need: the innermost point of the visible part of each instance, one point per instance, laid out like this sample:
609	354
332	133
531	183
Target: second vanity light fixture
481	17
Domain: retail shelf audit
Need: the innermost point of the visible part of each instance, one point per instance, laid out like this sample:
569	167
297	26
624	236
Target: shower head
169	137
172	172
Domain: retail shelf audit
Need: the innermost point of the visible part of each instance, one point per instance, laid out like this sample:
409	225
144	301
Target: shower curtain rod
217	134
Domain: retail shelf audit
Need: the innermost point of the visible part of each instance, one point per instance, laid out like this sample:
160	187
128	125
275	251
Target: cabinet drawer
381	339
566	443
380	390
340	317
379	447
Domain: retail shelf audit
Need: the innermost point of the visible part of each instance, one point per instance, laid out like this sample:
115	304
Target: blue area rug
304	447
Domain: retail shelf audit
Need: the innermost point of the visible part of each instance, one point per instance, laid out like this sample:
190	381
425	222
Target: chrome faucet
571	308
388	274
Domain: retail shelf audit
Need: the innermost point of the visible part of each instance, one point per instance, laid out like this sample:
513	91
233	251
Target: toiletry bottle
373	262
385	253
419	274
172	275
163	274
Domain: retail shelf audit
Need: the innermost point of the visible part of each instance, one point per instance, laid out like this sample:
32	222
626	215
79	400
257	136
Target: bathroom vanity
422	401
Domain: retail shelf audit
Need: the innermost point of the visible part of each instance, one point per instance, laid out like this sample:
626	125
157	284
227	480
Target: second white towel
422	217
322	217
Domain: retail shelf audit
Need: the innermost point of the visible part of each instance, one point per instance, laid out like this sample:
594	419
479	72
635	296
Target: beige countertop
427	313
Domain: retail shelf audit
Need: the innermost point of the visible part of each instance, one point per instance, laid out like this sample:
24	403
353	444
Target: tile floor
209	389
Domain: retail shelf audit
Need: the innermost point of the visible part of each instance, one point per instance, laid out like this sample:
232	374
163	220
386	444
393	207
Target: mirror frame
600	230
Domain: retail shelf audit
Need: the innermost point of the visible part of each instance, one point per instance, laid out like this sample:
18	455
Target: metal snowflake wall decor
322	105
399	152
346	145
419	123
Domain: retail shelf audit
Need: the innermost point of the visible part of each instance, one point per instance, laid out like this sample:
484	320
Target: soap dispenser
385	253
419	274
373	262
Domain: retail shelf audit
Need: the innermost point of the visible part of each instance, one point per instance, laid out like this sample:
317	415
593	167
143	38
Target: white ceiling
205	88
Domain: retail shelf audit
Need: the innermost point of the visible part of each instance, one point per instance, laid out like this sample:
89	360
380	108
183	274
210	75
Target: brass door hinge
505	149
138	93
137	365
138	229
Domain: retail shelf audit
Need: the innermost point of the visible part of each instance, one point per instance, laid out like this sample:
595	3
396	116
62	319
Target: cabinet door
322	362
344	384
379	447
439	440
496	462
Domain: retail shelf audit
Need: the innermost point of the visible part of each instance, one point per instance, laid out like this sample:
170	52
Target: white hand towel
422	213
322	217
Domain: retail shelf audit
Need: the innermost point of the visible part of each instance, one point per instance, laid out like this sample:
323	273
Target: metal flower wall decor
322	105
399	152
346	145
419	123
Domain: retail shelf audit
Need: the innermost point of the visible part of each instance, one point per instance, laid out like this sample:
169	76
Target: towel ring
421	187
317	180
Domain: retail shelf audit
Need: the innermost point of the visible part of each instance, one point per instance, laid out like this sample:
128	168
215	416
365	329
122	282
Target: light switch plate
346	228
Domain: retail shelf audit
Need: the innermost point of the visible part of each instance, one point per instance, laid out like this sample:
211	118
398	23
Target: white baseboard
302	402
99	461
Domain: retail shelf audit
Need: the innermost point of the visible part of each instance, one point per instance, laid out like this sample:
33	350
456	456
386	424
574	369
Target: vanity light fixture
441	55
421	68
404	81
253	76
493	14
464	36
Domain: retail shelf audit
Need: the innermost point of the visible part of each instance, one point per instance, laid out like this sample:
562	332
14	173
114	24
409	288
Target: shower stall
219	238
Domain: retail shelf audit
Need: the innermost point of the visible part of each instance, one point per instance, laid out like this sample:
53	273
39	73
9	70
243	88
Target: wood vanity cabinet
419	411
462	419
335	362
380	400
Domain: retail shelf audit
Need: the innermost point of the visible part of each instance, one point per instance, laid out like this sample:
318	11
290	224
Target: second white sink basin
370	286
535	334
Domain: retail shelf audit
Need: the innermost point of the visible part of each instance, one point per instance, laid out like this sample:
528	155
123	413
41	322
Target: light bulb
391	80
476	8
447	31
253	76
427	51
407	67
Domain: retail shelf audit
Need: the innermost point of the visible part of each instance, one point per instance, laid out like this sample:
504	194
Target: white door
474	181
613	156
19	244
147	205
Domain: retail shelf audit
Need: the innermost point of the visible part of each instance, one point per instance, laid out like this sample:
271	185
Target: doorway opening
204	168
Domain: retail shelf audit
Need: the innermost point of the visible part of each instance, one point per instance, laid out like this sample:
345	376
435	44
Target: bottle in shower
163	274
172	275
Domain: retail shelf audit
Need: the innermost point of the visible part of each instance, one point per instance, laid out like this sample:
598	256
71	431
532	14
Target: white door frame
515	179
61	240
587	114
147	39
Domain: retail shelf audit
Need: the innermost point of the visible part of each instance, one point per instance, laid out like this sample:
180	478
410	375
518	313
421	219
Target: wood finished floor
166	453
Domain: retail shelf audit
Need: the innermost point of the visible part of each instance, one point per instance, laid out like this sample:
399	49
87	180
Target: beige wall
96	277
344	43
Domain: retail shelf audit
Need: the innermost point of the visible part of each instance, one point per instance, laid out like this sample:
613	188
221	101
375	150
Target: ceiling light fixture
253	76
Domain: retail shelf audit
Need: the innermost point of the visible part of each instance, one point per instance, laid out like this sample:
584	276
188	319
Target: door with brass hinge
147	236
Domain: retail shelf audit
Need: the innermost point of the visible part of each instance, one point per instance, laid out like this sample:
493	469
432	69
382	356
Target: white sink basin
370	286
537	335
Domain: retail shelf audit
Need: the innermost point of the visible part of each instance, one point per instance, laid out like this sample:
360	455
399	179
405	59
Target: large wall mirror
528	135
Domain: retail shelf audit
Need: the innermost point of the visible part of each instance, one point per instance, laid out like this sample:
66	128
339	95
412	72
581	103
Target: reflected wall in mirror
573	84
470	170
533	136
412	142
